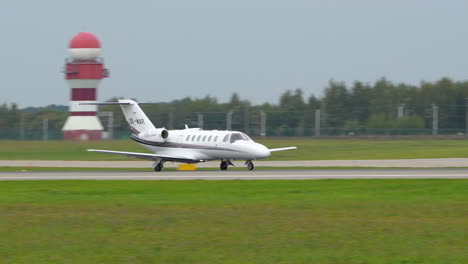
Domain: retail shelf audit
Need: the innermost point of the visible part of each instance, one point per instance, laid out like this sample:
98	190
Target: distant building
84	70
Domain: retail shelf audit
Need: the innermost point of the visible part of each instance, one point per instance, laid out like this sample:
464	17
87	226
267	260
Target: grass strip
308	149
323	221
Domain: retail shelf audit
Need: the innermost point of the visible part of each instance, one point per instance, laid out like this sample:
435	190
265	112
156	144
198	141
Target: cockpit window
226	138
247	138
236	136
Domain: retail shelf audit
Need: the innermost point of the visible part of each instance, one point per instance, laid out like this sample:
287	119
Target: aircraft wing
281	149
147	156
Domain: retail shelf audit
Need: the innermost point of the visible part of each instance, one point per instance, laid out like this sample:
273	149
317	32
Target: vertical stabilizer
136	118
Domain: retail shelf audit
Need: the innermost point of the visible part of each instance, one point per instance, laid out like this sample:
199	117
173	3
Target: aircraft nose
262	151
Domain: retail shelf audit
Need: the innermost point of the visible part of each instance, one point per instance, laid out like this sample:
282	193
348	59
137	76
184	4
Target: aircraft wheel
250	165
158	167
224	165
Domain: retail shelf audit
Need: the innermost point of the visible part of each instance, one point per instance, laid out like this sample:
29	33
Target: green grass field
323	221
309	149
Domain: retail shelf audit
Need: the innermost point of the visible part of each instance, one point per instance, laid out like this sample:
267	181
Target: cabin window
209	138
215	139
226	138
193	138
188	137
236	136
204	137
198	138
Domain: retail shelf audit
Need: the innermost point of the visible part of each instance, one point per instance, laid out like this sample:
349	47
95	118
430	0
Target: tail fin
136	118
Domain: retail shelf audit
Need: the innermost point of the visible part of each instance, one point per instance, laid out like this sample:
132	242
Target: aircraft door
180	139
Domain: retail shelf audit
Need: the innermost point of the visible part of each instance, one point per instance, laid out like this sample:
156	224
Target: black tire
224	165
250	165
158	167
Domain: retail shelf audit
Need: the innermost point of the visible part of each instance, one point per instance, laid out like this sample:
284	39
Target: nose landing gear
250	165
225	164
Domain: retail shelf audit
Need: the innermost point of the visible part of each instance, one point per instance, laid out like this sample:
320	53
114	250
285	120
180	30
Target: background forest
382	107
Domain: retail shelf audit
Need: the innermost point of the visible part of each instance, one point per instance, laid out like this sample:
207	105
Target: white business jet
189	145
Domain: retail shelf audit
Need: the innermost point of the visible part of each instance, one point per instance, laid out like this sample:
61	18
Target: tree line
343	108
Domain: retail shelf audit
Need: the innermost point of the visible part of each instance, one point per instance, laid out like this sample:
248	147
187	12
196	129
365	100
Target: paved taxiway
401	163
243	175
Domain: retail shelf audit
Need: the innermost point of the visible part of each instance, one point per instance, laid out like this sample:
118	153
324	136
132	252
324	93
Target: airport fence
434	121
271	132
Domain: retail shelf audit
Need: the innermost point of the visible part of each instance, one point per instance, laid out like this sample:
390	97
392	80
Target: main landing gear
158	165
224	165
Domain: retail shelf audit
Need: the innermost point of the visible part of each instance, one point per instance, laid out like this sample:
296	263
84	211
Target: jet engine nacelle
158	135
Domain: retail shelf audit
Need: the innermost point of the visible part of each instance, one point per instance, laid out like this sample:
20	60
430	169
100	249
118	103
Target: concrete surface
402	163
243	175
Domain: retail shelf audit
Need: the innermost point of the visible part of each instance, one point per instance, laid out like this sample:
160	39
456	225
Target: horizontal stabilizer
147	156
107	103
114	103
281	149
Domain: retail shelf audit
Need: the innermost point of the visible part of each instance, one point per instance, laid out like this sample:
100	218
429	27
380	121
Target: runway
395	163
243	175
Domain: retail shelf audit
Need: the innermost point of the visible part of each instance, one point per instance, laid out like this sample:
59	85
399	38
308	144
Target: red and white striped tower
84	70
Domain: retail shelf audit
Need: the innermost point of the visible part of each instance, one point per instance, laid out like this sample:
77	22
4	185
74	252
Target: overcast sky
164	50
